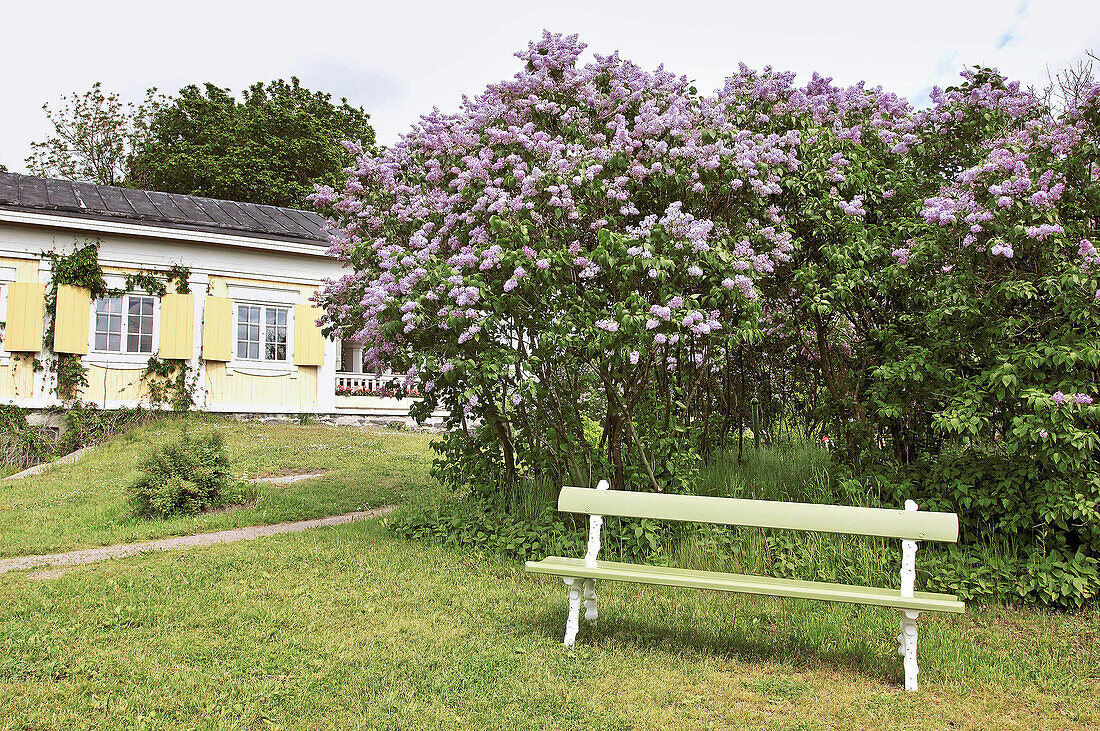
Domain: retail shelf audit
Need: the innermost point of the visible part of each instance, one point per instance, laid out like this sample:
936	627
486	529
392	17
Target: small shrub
184	477
472	522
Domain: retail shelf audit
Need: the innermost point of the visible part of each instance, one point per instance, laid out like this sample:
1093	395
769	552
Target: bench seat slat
741	583
910	525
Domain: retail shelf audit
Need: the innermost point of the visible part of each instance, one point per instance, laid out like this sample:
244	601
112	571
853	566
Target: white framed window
125	324
263	330
263	333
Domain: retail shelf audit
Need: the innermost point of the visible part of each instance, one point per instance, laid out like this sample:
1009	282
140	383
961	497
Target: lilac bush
569	235
947	309
594	268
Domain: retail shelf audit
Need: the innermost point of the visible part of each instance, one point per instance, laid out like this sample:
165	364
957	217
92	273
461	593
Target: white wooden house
247	327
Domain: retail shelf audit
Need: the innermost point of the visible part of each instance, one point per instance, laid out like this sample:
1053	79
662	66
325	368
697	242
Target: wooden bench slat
741	583
906	524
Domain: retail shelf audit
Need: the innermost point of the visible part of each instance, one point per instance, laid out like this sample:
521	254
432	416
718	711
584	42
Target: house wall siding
16	379
115	380
244	392
107	385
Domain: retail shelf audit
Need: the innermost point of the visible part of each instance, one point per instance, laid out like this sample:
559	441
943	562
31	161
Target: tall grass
787	473
798	472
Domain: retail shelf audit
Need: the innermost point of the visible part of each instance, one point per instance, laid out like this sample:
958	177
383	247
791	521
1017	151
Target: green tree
270	147
93	136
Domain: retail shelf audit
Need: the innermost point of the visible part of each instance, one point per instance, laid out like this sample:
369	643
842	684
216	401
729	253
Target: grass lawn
84	504
352	627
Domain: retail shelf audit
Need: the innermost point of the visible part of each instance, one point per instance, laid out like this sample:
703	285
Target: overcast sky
399	59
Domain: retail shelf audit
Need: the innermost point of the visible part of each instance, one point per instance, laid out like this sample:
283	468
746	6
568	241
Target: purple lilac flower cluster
416	220
1072	398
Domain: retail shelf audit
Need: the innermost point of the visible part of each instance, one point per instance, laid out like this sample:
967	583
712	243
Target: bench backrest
910	525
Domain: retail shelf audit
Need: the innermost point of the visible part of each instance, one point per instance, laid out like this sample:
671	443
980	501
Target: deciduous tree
271	146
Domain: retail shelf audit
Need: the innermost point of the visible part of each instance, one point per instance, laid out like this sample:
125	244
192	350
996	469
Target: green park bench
909	525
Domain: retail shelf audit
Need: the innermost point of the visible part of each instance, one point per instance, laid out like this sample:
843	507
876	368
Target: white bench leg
572	624
590	614
907	647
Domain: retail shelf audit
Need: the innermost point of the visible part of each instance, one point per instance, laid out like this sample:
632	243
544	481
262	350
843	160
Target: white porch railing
370	381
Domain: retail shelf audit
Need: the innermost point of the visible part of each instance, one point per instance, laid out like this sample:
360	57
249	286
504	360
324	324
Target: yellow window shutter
217	320
71	319
26	306
177	325
309	344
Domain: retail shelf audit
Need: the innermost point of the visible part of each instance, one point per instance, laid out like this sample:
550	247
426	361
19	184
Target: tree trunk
615	444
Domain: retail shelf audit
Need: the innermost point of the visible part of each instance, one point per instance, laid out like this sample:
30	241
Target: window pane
133	324
108	305
242	331
146	344
114	342
269	351
100	322
101	341
282	317
242	349
281	335
271	316
147	306
254	350
254	315
115	324
134	306
132	343
254	333
280	352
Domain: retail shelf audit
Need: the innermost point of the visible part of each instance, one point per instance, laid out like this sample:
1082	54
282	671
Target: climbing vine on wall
168	380
79	268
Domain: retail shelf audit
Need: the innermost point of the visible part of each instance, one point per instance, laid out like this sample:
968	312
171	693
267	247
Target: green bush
186	476
474	523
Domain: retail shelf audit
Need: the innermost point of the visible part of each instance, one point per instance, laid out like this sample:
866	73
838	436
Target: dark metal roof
107	202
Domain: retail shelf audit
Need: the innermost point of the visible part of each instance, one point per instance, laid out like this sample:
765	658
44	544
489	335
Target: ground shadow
727	642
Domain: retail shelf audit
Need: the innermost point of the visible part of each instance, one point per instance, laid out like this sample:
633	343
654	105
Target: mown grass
85	504
350	627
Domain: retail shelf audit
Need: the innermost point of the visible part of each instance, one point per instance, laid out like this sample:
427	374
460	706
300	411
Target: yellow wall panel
217	320
70	332
309	344
16	379
177	325
114	384
270	392
26	306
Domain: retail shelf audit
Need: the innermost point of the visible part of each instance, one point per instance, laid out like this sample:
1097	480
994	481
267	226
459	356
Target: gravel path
93	555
